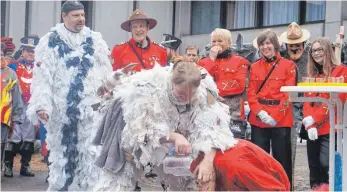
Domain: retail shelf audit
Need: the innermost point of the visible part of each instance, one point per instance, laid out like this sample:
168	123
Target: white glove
262	115
266	118
308	121
270	121
312	134
247	109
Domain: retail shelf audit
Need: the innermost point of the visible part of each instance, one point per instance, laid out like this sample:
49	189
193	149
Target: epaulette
122	43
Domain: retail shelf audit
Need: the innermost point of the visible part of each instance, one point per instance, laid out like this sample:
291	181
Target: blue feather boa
69	130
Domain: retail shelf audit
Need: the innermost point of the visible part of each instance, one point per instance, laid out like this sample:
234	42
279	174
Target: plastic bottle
177	165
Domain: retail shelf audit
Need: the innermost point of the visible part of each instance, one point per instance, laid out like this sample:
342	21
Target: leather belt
269	102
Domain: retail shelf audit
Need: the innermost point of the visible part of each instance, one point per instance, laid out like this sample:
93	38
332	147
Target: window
315	11
244	14
205	16
280	12
236	15
3	18
88	9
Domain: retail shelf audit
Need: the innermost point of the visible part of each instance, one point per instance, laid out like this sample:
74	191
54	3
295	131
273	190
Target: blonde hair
185	72
224	33
329	60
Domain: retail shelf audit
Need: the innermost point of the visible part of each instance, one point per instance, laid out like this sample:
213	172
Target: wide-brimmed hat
295	34
171	41
138	15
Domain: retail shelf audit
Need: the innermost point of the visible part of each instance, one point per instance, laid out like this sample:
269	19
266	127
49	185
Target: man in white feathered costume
72	61
154	106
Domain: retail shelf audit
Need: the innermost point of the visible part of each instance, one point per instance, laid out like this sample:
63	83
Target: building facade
192	21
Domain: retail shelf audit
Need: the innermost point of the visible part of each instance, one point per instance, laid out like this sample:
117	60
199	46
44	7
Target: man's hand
43	115
128	155
205	175
214	52
182	146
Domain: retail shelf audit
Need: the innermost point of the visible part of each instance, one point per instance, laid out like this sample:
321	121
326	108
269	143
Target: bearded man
295	40
70	64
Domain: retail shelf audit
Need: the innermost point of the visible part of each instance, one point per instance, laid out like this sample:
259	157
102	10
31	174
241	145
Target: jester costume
69	67
11	102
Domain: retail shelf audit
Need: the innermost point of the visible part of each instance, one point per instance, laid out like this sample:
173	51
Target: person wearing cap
139	49
9	50
228	70
171	44
11	106
271	116
295	39
71	63
23	136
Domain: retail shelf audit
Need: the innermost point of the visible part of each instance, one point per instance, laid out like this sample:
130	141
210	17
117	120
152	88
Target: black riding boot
10	153
26	151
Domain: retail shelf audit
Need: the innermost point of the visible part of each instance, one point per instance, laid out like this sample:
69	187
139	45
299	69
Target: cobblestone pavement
37	183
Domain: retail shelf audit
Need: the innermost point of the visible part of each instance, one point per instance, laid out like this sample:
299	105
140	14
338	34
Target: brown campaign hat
138	15
295	34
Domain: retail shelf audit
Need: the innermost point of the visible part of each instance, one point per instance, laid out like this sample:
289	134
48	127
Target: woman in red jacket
271	113
321	64
228	70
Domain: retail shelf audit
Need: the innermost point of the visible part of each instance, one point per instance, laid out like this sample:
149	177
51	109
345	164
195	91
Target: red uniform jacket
319	111
25	74
247	167
123	55
283	75
229	74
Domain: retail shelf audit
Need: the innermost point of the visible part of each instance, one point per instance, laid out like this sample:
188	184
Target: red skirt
247	167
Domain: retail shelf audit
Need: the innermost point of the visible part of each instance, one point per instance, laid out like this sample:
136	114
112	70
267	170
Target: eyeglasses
317	51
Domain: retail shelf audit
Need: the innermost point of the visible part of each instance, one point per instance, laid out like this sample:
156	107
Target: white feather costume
69	69
150	112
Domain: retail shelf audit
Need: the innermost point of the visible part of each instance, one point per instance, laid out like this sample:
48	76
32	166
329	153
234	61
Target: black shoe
25	171
47	179
8	171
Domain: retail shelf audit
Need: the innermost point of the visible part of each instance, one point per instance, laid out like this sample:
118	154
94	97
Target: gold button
232	70
276	78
